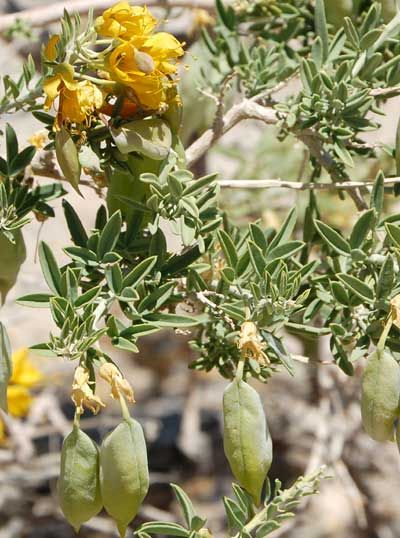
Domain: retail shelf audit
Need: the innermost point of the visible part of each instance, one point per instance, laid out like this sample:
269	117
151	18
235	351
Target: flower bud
67	157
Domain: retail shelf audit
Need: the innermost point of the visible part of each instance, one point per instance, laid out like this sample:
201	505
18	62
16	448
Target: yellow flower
50	51
201	19
19	400
142	65
82	392
78	100
119	385
25	375
163	47
124	21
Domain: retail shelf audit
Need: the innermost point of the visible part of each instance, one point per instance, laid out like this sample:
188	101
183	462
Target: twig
203	299
303	164
42	16
352	491
242	111
296	185
381	92
315	146
218	123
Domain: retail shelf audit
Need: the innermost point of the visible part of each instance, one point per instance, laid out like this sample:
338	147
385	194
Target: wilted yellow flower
251	344
395	310
78	101
82	393
25	375
124	21
50	51
201	18
38	139
143	65
119	385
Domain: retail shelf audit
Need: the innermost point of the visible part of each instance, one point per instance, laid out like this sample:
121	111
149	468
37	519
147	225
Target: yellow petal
24	372
2	432
19	400
164	45
124	21
50	88
50	52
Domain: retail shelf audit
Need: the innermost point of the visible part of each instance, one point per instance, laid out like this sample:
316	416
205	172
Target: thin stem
95	80
19	103
124	408
240	368
77	419
385	333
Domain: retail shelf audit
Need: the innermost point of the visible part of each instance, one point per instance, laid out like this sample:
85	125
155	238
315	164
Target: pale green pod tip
124	475
78	486
247	442
380	394
398	434
337	10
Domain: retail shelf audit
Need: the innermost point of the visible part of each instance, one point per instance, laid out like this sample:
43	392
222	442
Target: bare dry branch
44	15
296	185
242	111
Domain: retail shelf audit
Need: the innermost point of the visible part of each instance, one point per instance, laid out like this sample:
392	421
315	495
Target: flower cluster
133	67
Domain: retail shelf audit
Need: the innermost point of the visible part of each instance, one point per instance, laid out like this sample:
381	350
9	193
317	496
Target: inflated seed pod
12	256
79	485
380	393
247	442
124	475
388	9
337	10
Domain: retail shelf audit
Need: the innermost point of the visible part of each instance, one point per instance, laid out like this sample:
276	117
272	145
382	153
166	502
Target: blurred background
314	417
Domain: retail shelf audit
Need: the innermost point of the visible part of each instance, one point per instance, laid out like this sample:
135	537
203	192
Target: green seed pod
337	10
380	393
79	485
12	256
67	157
247	442
389	9
124	475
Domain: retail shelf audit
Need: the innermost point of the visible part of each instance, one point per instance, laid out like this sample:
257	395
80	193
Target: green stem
124	408
77	419
240	368
19	103
254	522
385	333
100	81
